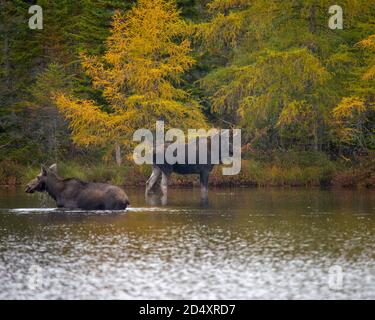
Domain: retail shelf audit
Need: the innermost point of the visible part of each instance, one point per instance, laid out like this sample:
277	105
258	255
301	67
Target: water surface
242	244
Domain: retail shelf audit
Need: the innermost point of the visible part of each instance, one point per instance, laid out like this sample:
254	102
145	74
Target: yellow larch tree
352	118
139	75
369	45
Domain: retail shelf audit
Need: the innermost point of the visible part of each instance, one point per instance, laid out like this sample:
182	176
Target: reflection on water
242	244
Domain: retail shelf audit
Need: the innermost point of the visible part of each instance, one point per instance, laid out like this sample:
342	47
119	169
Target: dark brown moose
73	193
165	170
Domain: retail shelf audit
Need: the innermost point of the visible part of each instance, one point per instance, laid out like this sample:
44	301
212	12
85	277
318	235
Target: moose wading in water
212	153
73	193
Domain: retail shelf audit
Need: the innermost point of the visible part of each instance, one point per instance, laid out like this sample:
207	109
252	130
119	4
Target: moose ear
53	168
43	170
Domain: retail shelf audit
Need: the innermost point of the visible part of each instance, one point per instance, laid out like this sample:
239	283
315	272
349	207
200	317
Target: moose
203	169
72	193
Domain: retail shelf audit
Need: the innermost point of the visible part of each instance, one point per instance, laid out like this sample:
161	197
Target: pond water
241	244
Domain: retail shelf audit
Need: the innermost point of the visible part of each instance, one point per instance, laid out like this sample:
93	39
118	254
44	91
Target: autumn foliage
101	69
139	76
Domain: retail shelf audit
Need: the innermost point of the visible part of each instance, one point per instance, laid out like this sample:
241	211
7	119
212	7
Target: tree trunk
316	139
118	154
6	63
312	18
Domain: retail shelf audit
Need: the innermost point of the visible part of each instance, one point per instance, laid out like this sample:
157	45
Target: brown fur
73	193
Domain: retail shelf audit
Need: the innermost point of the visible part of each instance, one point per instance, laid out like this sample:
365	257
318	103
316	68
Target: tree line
100	69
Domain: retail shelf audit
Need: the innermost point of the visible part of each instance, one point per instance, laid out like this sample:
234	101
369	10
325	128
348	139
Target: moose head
39	183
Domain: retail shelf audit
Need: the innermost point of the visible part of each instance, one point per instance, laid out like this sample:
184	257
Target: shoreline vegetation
287	169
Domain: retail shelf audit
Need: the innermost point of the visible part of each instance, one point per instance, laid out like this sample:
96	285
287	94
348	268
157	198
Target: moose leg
164	183
153	178
204	183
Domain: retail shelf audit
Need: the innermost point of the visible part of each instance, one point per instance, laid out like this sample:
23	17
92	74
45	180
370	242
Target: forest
303	94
